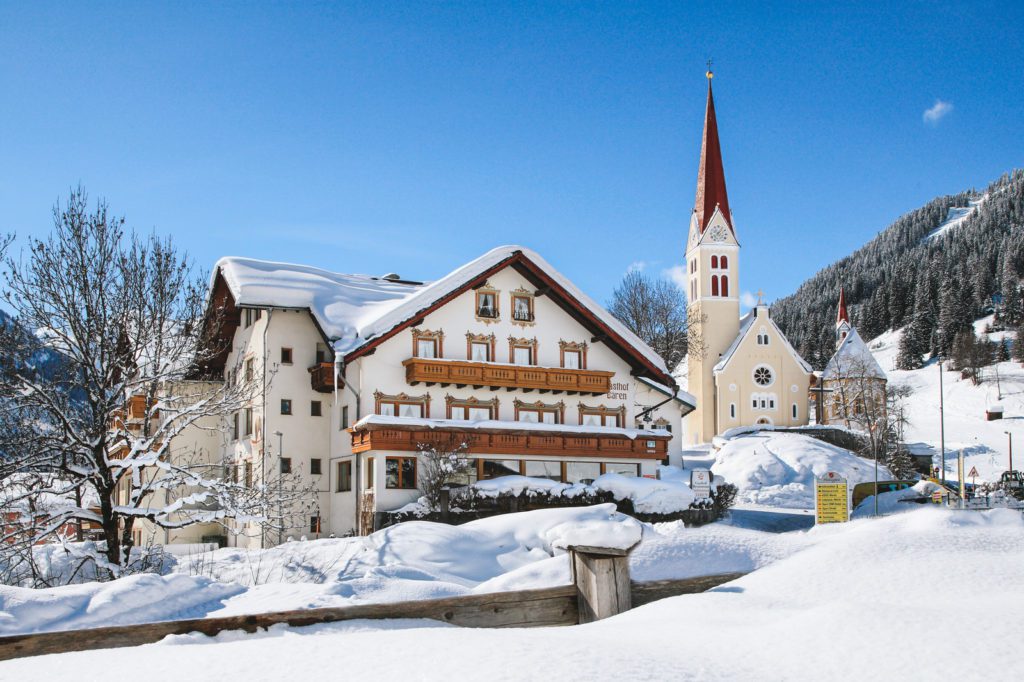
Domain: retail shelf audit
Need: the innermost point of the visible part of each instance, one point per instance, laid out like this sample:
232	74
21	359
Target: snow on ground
985	443
868	595
414	560
778	469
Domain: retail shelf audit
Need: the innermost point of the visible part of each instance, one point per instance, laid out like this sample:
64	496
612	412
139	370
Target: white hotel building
504	354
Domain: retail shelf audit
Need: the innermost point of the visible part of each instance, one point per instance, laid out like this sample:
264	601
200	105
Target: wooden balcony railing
321	377
511	442
479	374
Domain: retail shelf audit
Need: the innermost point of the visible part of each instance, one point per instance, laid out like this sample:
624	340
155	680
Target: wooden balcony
481	441
321	377
479	374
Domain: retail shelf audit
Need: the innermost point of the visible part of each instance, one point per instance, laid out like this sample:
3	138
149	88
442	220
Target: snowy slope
985	443
860	596
955	218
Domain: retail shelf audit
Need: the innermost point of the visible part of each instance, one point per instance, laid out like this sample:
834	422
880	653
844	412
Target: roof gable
549	282
358	312
747	322
853	358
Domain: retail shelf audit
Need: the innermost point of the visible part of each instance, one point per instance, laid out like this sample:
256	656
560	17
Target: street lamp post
942	426
1009	435
280	473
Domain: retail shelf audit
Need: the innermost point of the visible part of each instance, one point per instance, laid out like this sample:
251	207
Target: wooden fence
601	588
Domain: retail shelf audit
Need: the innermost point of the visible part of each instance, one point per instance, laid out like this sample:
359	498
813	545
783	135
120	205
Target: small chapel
742	370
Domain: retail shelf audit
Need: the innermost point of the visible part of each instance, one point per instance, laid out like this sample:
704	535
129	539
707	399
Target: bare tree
439	465
655	310
107	428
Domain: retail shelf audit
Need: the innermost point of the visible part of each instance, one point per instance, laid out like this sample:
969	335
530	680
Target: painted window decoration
427	344
573	354
471	409
522	351
402	405
522	306
539	412
480	347
601	415
763	375
487	303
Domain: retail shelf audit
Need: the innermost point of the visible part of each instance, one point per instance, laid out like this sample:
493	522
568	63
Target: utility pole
942	426
280	474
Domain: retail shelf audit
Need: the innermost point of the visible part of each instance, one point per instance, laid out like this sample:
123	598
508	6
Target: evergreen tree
1018	345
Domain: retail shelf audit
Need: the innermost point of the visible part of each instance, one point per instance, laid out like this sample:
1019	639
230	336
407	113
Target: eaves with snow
853	359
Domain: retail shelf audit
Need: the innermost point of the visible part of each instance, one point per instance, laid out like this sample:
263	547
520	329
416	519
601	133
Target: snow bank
778	469
134	599
892	502
875	589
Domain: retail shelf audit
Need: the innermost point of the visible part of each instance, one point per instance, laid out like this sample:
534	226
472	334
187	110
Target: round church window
763	376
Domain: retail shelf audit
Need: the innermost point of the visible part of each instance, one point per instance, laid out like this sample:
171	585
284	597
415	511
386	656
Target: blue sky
413	137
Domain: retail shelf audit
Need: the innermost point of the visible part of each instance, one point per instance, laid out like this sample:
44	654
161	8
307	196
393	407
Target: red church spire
842	315
711	176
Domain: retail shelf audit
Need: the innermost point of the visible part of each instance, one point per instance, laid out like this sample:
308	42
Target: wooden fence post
601	577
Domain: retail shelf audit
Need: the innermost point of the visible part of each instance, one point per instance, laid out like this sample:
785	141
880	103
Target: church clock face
718	234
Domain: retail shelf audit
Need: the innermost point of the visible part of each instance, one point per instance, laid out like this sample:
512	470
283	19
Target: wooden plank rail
545	607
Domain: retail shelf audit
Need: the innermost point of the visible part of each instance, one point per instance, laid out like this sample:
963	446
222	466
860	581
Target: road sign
974	472
700	483
831	499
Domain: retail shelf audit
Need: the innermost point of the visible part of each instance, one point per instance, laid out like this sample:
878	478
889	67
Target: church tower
712	265
842	320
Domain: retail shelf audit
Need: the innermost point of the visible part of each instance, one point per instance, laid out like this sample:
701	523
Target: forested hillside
914	272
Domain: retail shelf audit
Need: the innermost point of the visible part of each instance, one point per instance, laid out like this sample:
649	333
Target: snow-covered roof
853	358
353	310
680	395
343	305
746	322
495	425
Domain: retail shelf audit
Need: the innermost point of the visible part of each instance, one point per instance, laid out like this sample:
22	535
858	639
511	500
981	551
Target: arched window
794	411
714	285
725	262
725	285
732	410
714	262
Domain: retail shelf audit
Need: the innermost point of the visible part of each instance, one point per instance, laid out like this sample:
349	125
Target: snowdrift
778	469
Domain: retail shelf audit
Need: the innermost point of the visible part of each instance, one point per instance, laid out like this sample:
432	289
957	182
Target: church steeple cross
760	297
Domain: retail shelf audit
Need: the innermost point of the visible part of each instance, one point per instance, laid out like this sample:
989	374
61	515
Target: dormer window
487	304
427	344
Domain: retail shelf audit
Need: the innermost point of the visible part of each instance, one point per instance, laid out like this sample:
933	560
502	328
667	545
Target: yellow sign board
831	499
